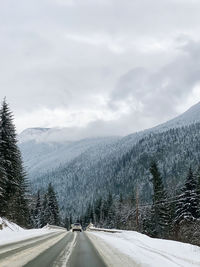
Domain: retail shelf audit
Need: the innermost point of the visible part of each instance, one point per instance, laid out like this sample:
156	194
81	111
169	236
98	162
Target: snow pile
5	225
92	228
146	251
11	232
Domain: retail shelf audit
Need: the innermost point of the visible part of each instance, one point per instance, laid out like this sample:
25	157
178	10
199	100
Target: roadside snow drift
146	251
11	232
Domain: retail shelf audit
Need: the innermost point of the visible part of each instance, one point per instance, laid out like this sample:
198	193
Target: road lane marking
63	258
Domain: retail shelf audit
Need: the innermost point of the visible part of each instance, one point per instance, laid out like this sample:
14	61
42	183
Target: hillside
48	155
85	169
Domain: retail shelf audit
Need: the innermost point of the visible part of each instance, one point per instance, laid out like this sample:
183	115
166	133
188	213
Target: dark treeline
172	217
16	202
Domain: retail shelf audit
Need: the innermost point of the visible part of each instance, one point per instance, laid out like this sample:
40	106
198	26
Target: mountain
32	134
83	170
189	117
44	149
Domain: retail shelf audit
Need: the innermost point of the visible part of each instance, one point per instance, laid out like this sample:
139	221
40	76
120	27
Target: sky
110	67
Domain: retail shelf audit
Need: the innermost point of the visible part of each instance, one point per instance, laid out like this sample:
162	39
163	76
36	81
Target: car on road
76	227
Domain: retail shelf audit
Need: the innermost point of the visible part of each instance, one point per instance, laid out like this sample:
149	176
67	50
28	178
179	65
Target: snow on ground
11	232
145	251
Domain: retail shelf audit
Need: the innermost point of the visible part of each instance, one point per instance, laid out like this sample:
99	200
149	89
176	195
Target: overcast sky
111	66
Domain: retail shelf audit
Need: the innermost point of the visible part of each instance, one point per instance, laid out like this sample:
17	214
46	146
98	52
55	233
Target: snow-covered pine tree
21	205
198	192
110	211
160	213
53	204
3	180
50	208
67	223
45	211
187	201
38	212
16	184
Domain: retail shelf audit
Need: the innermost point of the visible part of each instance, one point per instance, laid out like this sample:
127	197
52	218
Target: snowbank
146	251
6	225
11	232
92	228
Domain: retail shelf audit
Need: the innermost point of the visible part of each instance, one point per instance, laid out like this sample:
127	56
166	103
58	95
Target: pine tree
21	203
53	204
160	210
198	192
50	208
110	211
67	223
97	210
89	214
3	180
45	212
15	186
187	200
70	220
38	212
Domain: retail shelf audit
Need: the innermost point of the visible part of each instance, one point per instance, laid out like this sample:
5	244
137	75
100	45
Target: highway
52	250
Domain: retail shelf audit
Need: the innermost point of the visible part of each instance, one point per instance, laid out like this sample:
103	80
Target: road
84	254
53	250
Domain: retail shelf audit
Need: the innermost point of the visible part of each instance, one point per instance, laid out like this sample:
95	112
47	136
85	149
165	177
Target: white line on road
63	258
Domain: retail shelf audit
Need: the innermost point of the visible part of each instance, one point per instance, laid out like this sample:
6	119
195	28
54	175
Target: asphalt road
53	256
84	254
57	250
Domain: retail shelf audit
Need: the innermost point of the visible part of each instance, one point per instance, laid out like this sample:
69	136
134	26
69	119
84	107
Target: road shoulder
21	257
112	256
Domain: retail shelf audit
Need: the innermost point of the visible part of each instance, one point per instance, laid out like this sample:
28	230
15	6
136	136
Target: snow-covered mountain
31	134
90	167
189	117
43	150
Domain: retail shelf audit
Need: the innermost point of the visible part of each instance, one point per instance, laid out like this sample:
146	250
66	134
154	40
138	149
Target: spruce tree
45	212
38	212
67	223
21	205
70	220
50	208
160	210
15	186
97	210
198	193
187	200
110	212
3	180
53	205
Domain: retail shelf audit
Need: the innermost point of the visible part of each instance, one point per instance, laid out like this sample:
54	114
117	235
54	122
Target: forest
176	218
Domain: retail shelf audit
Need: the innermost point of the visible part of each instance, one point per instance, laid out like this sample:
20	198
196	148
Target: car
76	227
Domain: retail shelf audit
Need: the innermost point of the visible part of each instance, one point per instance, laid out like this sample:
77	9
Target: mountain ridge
114	163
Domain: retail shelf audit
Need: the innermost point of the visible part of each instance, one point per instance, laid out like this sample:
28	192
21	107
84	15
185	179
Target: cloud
111	67
162	94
